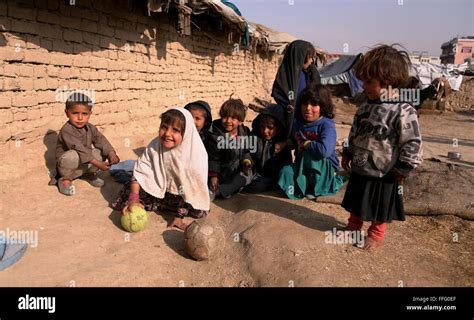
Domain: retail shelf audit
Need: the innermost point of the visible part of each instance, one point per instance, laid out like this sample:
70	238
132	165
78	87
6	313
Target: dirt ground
270	240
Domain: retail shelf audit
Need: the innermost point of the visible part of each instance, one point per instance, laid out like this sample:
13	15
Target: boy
202	116
228	150
269	128
81	147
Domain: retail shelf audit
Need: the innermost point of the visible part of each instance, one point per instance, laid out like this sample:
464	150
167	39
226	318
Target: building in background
458	50
422	56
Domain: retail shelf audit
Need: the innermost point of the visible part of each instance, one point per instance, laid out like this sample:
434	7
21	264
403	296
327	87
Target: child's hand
214	184
247	166
304	145
279	146
127	209
346	163
101	165
113	158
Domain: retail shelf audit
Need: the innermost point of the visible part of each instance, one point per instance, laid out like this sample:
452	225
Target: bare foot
178	223
371	244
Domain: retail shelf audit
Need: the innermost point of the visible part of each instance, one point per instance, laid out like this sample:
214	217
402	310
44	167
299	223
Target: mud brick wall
134	65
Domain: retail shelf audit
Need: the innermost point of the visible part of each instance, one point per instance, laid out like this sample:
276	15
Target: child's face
310	112
268	130
372	88
79	115
170	135
231	124
199	116
309	61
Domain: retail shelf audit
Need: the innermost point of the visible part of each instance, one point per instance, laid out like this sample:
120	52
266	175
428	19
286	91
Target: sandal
66	190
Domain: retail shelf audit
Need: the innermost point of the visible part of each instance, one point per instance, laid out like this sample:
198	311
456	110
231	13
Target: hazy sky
419	25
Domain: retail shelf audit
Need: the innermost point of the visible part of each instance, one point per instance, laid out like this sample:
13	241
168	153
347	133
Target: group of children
194	159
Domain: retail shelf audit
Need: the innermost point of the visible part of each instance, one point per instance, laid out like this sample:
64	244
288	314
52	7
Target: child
201	112
268	127
81	147
314	136
295	73
384	145
228	148
171	174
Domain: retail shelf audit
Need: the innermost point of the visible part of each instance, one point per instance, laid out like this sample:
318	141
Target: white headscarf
181	170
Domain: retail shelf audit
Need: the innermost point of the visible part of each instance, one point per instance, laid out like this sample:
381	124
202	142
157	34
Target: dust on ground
270	240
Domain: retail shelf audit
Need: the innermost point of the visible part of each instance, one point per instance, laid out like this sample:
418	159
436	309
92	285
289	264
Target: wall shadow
125	24
50	139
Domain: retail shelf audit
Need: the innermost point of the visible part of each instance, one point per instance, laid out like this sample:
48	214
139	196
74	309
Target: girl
171	174
295	73
384	144
314	137
268	128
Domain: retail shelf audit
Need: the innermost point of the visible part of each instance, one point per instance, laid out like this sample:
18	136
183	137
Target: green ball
136	220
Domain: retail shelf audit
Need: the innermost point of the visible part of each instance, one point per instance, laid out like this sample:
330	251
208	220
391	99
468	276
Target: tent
227	11
428	72
340	73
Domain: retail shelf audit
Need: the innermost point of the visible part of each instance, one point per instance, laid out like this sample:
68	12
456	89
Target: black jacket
225	161
288	78
205	130
266	163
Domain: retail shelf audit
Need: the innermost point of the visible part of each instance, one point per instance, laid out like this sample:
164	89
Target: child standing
201	112
314	136
269	129
229	150
171	174
384	145
296	72
81	148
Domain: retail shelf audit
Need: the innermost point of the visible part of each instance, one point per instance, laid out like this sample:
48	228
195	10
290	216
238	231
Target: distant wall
133	64
464	50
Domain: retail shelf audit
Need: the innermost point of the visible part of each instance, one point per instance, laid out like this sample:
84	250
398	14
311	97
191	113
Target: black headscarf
288	77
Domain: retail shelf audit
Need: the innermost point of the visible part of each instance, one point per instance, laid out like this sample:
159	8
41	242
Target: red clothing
376	230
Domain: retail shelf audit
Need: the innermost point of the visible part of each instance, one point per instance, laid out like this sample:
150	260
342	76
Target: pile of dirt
434	188
464	98
437	188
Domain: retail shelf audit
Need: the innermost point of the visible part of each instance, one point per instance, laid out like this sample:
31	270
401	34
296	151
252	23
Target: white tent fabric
271	39
428	72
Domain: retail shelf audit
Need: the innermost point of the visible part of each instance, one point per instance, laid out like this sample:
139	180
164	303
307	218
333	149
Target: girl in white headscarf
172	172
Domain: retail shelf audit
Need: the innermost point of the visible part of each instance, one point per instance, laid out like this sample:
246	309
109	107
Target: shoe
93	180
248	177
310	197
66	190
212	195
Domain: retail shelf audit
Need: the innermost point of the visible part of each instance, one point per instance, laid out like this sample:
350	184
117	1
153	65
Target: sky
352	26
